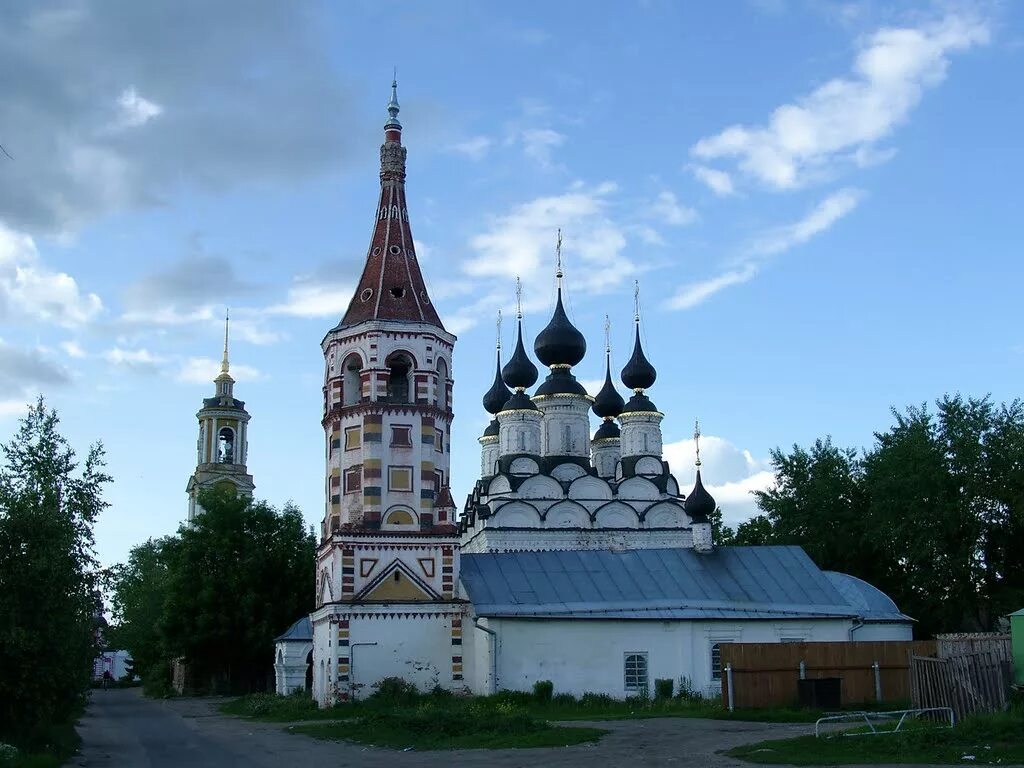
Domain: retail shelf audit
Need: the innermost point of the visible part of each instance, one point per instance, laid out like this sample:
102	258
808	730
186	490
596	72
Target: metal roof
731	582
300	631
872	604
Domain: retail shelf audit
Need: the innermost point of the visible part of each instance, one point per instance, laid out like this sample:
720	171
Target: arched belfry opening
441	391
399	378
226	446
352	387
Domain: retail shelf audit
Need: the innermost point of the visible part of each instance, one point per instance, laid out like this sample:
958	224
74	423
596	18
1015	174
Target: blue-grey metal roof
872	604
300	631
729	583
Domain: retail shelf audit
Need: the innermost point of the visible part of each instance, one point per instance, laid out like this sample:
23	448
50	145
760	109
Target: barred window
716	661
636	672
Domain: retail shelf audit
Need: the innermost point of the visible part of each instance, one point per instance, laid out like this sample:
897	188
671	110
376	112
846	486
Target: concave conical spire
609	403
638	374
519	372
498	394
391	286
699	504
560	343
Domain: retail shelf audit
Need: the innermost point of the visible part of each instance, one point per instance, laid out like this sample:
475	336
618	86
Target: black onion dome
520	401
608	429
639	402
699	504
638	373
608	402
519	371
561	382
493	428
560	343
496	396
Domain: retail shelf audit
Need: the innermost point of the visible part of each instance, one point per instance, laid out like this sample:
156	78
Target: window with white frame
716	660
635	672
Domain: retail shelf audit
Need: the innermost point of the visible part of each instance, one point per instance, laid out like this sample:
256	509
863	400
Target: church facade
576	558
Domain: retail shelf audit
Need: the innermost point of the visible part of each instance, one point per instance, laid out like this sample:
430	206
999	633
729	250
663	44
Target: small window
401	435
791	639
399	478
716	661
636	672
353	438
438	481
352	383
353	479
439	440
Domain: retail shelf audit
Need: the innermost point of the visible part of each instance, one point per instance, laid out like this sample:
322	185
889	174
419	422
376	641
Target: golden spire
224	359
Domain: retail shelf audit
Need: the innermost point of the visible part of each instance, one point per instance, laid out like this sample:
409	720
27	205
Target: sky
820	202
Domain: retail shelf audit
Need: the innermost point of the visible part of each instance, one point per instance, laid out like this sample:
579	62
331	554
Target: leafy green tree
48	601
138	591
239	576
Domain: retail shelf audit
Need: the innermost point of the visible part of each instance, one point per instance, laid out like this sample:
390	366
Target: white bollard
803	669
728	677
878	681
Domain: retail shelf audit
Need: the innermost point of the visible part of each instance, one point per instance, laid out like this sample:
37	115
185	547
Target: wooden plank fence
969	683
766	674
966	643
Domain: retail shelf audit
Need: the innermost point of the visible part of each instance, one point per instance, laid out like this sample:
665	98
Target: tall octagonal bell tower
388	534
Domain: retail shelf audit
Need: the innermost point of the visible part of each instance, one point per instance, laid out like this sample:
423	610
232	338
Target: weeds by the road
61	741
982	739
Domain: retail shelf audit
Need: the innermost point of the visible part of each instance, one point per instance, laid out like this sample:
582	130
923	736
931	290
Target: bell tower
388	533
223	443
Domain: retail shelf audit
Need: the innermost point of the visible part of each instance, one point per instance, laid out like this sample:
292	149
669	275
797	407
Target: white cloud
13	407
718	181
522	243
538	144
692	294
135	110
824	215
475	148
73	349
729	473
315	299
29	290
593	386
203	370
668	209
845	117
136	359
769	243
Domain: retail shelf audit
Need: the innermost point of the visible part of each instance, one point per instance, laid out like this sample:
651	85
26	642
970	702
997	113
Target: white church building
576	558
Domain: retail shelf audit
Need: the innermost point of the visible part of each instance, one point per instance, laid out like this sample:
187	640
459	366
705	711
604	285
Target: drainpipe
494	652
857	624
352	667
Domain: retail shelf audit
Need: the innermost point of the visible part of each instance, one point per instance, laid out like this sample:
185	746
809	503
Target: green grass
991	739
431	727
272	708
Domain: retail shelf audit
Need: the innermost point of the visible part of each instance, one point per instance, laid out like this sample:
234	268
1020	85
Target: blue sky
820	202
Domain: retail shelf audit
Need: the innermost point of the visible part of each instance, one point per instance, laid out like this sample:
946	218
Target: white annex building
576	558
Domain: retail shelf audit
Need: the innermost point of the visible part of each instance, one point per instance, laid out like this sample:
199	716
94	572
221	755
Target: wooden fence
766	674
966	643
969	683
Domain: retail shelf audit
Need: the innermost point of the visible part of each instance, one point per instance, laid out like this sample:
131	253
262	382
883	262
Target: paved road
122	729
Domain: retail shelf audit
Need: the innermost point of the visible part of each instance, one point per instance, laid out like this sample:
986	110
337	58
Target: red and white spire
391	286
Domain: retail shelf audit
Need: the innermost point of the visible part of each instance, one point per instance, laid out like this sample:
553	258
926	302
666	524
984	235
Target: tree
48	598
238	577
138	591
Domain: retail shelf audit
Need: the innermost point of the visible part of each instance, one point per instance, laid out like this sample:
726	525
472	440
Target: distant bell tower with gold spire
223	443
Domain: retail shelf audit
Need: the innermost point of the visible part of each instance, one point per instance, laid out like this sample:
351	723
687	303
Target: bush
8	754
396	692
516	698
687	692
564	700
156	683
596	700
663	688
542	691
